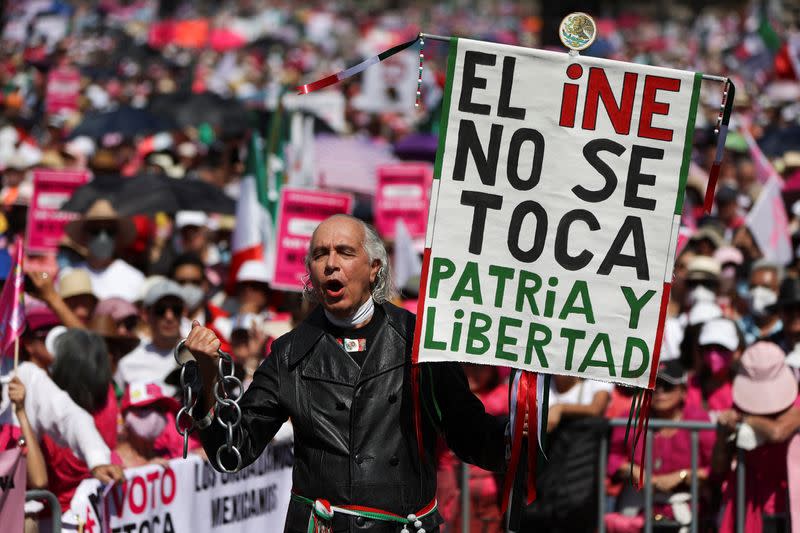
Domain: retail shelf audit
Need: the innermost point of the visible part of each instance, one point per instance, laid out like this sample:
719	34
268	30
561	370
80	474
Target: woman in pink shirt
671	455
764	421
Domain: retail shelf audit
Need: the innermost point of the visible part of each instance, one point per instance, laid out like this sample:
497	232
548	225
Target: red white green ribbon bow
320	519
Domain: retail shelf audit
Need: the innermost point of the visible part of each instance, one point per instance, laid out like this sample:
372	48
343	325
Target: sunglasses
189	281
665	386
111	231
130	322
160	309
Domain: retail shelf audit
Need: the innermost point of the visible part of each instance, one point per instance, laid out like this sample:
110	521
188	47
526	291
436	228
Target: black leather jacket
354	438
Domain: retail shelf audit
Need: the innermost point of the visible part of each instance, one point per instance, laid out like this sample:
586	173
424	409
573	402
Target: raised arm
262	413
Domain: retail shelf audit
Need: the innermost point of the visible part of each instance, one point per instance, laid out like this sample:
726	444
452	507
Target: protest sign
46	221
63	89
12	489
403	192
554	212
189	496
301	211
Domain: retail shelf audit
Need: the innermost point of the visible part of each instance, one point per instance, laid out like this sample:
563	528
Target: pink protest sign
12	489
46	221
63	89
403	192
300	213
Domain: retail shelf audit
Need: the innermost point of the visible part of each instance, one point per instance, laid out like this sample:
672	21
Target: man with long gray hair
343	377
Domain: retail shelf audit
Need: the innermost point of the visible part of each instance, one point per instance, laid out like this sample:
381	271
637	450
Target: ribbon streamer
355	69
726	108
524	399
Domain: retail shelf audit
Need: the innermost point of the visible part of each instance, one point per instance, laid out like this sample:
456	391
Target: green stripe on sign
444	119
687	142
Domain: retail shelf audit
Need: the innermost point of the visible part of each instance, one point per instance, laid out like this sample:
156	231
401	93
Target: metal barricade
52	502
694	428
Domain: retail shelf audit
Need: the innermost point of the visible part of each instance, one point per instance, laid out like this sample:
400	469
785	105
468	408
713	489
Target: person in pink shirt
485	517
710	388
149	434
672	473
764	421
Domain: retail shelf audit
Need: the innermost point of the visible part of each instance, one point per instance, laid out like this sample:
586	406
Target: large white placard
189	496
554	212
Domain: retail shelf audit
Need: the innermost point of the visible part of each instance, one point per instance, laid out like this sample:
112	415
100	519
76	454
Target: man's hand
108	473
16	393
203	344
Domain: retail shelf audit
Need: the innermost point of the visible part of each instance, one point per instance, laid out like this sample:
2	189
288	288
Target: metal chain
227	391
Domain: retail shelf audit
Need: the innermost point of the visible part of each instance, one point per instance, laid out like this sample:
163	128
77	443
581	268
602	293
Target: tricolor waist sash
320	519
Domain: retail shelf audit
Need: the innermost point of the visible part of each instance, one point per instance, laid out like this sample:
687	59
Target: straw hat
75	282
102	211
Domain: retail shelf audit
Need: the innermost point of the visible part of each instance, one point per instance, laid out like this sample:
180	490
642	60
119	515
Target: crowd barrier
52	503
693	427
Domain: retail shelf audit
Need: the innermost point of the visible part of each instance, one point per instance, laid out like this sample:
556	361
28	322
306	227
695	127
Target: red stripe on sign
423	286
415	377
662	317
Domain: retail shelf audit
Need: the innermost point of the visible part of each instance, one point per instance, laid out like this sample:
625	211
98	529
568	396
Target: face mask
761	298
193	296
717	360
729	272
146	424
700	294
101	246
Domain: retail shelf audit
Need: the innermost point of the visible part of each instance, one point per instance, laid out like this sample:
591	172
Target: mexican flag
254	234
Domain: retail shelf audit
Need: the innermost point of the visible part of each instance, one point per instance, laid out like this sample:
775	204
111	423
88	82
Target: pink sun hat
764	384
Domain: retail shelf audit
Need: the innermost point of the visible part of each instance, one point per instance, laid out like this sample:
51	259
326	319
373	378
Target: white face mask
147	423
760	299
193	296
700	294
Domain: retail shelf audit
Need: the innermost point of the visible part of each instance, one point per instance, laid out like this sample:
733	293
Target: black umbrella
230	116
125	120
149	194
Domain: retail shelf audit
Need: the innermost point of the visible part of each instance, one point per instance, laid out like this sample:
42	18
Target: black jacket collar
312	330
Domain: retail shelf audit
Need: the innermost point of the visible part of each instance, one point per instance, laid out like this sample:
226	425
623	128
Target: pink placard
403	192
63	90
300	213
46	221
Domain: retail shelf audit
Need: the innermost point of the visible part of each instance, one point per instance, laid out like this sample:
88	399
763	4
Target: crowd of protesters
105	311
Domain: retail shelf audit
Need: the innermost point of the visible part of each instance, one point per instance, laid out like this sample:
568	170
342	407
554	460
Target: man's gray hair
384	288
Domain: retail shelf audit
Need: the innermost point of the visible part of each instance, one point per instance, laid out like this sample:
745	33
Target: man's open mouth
333	288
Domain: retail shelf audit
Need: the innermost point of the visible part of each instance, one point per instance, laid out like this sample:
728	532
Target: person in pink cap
764	420
149	433
39	320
